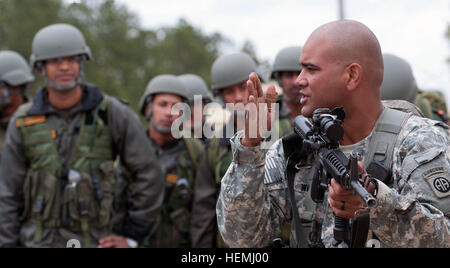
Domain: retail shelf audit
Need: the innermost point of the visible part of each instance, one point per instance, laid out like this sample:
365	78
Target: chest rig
77	195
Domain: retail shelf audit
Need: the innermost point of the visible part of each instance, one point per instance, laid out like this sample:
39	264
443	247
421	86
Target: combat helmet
399	82
287	60
196	86
165	83
231	69
58	40
14	70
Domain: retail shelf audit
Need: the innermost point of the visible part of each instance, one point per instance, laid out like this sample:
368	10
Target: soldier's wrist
246	155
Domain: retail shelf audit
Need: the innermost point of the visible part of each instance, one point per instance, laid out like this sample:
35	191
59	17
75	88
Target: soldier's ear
149	110
352	76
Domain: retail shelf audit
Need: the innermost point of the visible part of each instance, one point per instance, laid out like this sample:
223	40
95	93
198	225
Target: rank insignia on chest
171	178
30	120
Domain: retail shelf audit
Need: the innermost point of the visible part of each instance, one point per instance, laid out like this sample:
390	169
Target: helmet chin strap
6	94
149	117
160	129
4	98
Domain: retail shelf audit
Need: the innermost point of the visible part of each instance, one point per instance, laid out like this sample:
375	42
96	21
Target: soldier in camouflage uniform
15	77
56	175
229	76
178	158
285	70
438	104
412	209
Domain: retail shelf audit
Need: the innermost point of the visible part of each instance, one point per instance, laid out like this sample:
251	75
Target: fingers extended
257	83
251	89
271	95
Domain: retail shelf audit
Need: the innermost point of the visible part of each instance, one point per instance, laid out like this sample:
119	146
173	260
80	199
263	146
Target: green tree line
126	56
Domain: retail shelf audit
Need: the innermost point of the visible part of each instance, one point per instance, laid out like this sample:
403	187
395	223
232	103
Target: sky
411	29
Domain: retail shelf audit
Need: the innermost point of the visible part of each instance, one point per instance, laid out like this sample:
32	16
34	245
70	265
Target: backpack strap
213	153
381	146
101	111
195	150
379	163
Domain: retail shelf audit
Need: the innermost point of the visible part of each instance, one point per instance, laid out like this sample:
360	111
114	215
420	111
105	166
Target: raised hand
253	135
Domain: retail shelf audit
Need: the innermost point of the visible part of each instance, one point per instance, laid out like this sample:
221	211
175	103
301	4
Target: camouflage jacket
254	202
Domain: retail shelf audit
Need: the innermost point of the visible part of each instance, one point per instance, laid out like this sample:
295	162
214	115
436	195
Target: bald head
349	42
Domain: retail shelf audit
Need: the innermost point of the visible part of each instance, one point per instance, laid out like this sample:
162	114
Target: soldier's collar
171	144
167	146
92	98
226	141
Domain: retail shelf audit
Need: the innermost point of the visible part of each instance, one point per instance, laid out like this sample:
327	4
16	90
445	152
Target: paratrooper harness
77	196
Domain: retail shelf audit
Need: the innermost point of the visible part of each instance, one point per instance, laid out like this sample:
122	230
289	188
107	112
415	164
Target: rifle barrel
367	198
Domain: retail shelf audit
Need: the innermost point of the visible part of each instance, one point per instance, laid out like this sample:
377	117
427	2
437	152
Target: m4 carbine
322	139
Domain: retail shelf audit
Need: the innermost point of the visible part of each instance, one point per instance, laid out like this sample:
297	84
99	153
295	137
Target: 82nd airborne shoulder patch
439	180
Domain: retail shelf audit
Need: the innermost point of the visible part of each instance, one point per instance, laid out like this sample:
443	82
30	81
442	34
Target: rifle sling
290	143
360	230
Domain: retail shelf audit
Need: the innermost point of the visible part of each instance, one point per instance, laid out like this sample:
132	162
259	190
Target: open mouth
304	99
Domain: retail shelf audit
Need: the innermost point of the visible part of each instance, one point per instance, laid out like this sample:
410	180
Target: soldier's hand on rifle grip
346	203
256	96
343	202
